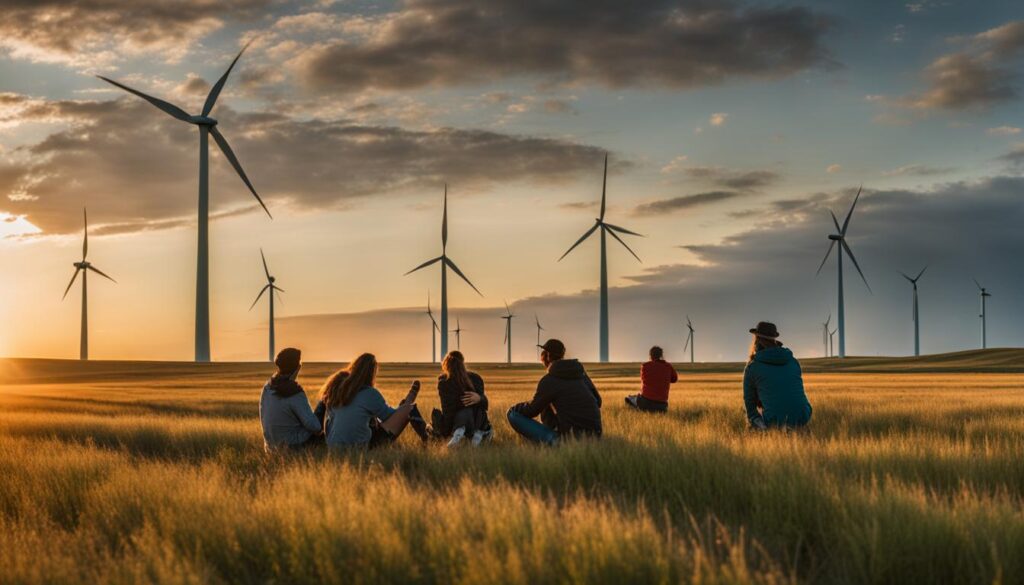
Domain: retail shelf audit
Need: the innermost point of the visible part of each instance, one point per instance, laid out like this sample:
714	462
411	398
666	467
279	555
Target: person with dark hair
358	415
773	385
566	401
463	409
287	420
656	376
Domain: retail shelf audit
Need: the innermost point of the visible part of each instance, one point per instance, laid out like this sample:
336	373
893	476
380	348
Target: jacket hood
774	356
567	369
284	386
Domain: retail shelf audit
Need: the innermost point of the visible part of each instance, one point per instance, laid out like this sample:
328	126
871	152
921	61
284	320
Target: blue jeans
532	430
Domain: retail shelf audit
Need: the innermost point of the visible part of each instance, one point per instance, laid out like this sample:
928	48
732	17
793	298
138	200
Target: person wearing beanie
287	419
773	385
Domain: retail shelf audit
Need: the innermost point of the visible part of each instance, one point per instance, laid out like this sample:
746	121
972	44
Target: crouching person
773	385
463	411
656	376
566	401
288	421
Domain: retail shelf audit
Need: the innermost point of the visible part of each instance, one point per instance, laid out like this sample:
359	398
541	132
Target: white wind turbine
831	345
458	334
508	316
84	267
446	263
916	315
433	332
272	288
614	230
843	246
824	333
207	126
983	295
539	329
689	338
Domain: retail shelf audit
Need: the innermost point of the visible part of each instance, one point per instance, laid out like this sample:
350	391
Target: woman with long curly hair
463	410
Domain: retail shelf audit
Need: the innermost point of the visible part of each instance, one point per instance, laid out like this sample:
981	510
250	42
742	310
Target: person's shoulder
475	376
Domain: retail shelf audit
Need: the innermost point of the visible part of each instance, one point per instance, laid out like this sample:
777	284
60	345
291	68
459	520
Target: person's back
349	424
574	397
285	415
450	393
773	379
656	376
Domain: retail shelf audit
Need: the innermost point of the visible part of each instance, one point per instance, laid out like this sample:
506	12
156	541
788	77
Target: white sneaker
457	436
481	436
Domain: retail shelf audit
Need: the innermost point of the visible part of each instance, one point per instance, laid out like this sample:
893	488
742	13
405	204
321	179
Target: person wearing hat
566	401
773	385
288	421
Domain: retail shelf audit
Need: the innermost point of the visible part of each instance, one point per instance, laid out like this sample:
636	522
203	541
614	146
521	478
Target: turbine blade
230	154
97	271
211	98
622	230
827	254
73	277
616	236
687	345
265	269
904	275
604	185
444	222
277	288
424	265
855	265
85	237
920	274
166	107
835	220
452	265
586	235
977	284
849	214
262	290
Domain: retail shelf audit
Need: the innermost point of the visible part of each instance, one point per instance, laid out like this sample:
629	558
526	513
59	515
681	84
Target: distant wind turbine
458	335
841	238
983	294
84	267
539	329
272	288
916	315
689	338
433	332
508	316
446	263
207	126
831	339
824	333
606	228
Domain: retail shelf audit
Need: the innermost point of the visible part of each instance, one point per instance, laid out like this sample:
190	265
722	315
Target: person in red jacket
655	377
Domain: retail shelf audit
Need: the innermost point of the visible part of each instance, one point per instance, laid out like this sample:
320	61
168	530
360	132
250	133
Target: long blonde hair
342	387
454	366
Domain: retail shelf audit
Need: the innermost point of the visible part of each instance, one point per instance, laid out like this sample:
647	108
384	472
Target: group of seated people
351	411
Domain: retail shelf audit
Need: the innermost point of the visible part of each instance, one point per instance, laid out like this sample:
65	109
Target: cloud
917	171
137	164
685	202
675	165
652	43
899	33
718	119
1003	131
833	168
1015	156
734	179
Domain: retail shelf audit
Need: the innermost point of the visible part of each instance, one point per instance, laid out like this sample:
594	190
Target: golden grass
134	472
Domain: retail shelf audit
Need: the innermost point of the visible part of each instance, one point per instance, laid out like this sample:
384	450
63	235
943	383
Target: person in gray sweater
287	419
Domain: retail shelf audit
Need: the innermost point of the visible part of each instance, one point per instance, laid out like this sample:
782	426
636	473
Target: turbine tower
831	344
916	315
824	333
272	288
207	126
983	294
689	338
614	230
446	263
84	267
458	335
843	246
508	316
539	329
433	332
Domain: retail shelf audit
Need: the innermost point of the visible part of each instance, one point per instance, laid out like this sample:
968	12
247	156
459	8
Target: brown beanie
288	361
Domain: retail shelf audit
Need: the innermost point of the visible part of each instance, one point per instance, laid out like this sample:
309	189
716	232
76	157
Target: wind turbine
539	329
689	338
446	263
458	334
841	238
272	288
508	316
983	295
824	333
207	126
84	267
831	346
916	315
433	332
614	230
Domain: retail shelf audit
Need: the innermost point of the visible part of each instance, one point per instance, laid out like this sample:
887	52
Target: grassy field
154	472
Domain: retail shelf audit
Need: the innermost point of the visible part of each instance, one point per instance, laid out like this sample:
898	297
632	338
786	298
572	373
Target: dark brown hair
656	353
343	386
330	393
454	366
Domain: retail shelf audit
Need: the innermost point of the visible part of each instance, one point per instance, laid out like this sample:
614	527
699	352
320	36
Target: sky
732	130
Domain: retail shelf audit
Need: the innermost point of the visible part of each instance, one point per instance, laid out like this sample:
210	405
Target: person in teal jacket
773	385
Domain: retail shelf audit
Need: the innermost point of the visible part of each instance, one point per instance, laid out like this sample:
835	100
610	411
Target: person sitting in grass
656	376
357	414
287	420
463	403
773	385
566	401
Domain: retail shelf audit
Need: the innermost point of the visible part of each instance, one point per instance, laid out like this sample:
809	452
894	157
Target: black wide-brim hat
766	329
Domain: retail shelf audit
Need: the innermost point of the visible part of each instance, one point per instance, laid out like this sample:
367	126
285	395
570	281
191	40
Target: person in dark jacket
463	410
773	386
566	401
656	376
287	420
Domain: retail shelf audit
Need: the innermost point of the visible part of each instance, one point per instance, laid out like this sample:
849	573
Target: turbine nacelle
202	120
835	237
82	265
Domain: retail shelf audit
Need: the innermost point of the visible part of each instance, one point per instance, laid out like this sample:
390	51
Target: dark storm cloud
685	202
139	166
654	43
